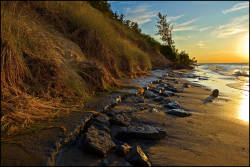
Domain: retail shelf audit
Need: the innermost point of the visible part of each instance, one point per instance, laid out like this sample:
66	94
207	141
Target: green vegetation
168	48
56	55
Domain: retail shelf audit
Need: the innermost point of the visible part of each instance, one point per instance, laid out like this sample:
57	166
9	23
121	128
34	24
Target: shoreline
190	128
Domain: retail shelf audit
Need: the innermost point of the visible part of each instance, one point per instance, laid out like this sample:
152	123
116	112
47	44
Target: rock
156	82
167	93
173	105
203	78
215	93
141	131
149	94
137	157
126	164
120	119
154	110
158	99
179	112
118	99
105	162
176	82
139	99
165	101
101	122
103	119
186	85
123	149
191	76
170	87
98	141
141	107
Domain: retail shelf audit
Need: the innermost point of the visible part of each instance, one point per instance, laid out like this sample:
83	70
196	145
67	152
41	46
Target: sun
246	44
243	47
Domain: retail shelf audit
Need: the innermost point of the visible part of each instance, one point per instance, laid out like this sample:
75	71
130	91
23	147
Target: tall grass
55	55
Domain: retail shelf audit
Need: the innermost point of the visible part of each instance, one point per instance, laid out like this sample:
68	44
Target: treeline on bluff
54	55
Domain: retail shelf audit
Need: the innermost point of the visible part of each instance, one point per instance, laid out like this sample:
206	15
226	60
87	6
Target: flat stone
137	157
173	105
120	119
154	110
149	94
158	99
98	141
167	93
101	122
179	112
186	85
141	131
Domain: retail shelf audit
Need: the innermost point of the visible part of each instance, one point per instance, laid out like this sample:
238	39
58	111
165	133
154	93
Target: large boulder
137	157
178	112
141	131
98	141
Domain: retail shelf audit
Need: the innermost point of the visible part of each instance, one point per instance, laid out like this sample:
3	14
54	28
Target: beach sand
210	136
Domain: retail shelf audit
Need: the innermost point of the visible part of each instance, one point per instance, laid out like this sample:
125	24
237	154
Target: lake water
231	79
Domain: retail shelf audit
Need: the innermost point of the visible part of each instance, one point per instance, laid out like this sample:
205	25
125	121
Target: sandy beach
207	137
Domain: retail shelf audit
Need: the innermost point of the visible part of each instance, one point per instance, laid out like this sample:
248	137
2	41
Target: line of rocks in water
103	131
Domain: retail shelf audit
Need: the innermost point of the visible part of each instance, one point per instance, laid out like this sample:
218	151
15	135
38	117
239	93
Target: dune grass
55	55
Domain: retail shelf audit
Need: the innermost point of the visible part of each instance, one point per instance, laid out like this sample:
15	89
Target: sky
210	31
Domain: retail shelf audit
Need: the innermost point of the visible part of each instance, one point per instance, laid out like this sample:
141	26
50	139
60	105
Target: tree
121	18
165	30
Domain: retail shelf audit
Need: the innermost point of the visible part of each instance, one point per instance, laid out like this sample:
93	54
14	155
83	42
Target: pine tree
165	30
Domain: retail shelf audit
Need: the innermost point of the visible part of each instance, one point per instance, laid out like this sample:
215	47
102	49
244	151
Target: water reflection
243	112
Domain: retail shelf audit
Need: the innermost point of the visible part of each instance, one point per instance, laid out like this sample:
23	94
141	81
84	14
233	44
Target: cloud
185	26
200	44
140	14
205	28
181	38
236	7
172	18
186	22
236	26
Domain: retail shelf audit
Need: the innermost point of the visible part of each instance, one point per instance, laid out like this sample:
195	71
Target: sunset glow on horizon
210	31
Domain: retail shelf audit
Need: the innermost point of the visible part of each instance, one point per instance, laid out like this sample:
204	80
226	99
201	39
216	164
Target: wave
230	71
241	73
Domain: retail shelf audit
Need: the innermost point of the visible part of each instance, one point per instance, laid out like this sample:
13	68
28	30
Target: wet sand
208	137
